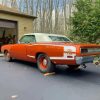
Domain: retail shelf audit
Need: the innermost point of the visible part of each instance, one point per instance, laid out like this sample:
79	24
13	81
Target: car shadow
26	63
90	74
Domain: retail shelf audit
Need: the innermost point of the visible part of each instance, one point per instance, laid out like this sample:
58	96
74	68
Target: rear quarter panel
50	50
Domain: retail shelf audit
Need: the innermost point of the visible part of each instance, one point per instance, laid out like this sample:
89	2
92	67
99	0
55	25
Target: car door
31	48
19	51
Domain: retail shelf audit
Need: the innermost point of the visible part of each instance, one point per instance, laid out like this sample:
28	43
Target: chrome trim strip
64	57
31	56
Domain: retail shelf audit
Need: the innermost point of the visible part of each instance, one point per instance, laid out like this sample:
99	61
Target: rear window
59	39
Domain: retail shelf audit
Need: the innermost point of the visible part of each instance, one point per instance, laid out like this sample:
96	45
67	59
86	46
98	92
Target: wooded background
78	19
52	15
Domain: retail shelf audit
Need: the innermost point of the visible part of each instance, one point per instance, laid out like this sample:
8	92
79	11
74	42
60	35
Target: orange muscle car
48	50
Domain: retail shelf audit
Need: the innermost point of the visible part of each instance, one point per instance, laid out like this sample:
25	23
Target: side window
32	38
28	39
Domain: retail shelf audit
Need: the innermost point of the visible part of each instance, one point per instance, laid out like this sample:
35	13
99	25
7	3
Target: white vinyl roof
44	37
42	34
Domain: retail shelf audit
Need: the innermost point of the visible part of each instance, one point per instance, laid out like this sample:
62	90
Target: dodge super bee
48	50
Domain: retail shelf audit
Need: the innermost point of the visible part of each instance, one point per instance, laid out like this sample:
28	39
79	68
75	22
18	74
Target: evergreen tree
86	21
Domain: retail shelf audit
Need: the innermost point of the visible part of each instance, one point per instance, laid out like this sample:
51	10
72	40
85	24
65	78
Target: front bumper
85	59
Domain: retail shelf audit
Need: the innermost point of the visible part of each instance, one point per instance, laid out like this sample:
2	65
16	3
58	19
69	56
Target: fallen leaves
14	96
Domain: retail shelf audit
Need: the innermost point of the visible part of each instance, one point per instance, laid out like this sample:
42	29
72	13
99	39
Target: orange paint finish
29	52
78	51
48	50
6	48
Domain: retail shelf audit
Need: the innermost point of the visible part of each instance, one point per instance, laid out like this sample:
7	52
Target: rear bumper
83	60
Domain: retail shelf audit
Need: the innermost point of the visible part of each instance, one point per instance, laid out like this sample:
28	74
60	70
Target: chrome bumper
83	60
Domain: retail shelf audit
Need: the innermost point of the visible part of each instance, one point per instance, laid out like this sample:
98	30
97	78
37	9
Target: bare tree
65	15
52	15
14	4
44	9
56	16
31	5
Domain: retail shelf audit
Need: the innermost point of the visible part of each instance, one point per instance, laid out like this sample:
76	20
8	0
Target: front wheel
44	64
7	56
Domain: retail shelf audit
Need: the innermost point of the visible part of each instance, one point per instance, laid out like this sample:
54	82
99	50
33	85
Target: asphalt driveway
23	81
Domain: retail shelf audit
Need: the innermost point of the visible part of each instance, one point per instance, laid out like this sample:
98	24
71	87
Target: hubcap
43	63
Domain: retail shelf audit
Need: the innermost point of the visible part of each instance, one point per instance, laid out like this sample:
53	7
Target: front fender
6	48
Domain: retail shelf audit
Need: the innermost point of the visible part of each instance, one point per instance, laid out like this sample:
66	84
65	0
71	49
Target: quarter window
59	39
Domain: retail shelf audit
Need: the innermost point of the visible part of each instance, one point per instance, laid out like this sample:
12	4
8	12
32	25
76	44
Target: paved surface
23	81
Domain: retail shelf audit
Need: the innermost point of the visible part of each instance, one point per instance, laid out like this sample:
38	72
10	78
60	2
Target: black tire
73	67
7	56
44	64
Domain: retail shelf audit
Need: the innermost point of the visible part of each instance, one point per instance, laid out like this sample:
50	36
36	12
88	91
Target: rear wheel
7	56
44	64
